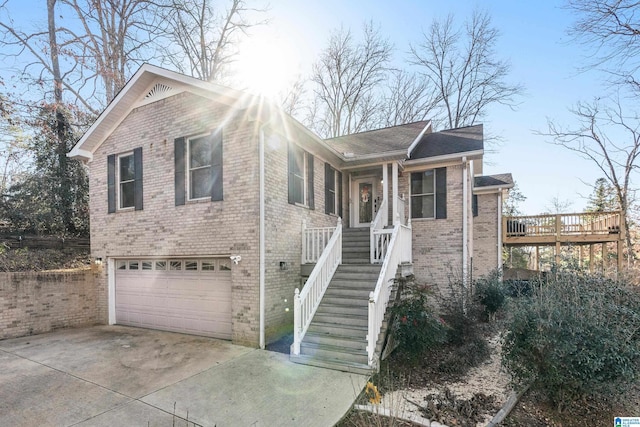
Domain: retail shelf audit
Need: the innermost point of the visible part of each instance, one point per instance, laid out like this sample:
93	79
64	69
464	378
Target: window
175	265
208	265
332	190
124	181
198	168
423	194
191	265
300	177
429	194
161	265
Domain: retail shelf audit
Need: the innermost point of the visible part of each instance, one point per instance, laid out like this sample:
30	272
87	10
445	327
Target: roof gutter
444	158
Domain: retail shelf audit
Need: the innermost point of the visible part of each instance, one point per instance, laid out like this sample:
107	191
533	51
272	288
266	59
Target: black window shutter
216	166
179	180
474	205
310	181
339	194
291	168
137	183
441	193
111	183
329	182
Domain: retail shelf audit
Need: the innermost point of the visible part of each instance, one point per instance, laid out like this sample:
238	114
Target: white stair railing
398	251
306	302
377	231
314	240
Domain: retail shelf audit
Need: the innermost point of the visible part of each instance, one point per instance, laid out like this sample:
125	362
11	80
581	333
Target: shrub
491	294
575	336
415	328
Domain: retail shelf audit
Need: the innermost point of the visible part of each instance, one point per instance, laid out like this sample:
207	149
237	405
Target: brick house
209	207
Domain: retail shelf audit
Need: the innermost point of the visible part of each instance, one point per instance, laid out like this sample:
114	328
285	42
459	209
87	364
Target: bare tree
90	57
407	99
462	64
612	29
610	139
205	34
346	82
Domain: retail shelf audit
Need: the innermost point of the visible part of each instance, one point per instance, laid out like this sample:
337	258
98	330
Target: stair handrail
306	302
377	224
398	251
314	240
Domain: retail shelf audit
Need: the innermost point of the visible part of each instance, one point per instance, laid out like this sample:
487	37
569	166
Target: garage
191	296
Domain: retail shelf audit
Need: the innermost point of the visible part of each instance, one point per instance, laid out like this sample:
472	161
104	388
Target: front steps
337	335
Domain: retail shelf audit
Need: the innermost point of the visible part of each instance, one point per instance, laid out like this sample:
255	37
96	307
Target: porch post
394	188
385	192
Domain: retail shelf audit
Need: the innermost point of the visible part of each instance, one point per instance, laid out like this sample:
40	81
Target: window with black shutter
332	190
429	193
124	181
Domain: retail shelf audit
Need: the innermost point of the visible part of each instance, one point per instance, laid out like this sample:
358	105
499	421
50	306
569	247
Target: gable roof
467	139
149	84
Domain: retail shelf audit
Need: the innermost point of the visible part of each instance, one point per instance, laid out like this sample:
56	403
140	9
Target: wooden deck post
605	255
591	259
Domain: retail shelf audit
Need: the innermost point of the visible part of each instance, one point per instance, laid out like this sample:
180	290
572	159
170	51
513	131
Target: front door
363	202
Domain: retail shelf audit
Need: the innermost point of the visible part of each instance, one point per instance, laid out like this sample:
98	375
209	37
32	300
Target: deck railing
581	224
306	302
379	238
398	251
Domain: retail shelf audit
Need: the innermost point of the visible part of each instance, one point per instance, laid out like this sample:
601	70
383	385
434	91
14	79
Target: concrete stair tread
338	365
338	326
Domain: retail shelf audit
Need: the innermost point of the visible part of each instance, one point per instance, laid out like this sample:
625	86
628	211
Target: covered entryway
191	296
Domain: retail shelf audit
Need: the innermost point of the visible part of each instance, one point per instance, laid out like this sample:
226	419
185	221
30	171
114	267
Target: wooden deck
546	230
566	229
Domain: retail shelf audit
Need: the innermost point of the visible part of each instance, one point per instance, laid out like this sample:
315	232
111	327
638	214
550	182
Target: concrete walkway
112	375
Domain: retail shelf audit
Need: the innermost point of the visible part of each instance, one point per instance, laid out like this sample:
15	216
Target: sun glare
266	65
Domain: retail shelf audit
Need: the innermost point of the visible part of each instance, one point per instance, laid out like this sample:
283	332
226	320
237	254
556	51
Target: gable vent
158	91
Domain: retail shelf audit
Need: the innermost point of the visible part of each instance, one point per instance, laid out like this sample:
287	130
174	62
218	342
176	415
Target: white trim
394	194
136	89
187	160
262	238
417	140
492	189
500	230
445	158
435	207
465	231
119	183
385	192
111	285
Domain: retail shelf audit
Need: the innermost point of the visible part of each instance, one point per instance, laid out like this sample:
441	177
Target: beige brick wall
34	303
485	228
228	227
437	243
200	228
283	229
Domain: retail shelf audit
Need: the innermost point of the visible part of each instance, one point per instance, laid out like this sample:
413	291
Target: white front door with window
362	202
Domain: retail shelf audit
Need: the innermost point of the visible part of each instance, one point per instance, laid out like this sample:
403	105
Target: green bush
574	336
491	293
415	328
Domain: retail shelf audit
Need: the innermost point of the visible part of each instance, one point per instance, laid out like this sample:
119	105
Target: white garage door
191	296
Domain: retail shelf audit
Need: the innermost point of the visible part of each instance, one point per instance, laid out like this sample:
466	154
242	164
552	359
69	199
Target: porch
582	229
340	312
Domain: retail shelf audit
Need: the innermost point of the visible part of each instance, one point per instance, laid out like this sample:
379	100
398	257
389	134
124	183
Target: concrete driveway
114	375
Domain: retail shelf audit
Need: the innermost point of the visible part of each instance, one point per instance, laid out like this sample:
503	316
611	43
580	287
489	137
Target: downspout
499	229
262	238
465	231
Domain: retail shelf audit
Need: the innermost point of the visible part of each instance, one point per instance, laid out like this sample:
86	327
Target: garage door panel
196	302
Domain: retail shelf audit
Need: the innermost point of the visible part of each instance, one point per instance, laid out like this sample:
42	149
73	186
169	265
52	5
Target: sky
533	39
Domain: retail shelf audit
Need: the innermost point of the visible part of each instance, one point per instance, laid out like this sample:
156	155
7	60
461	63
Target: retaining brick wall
38	302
